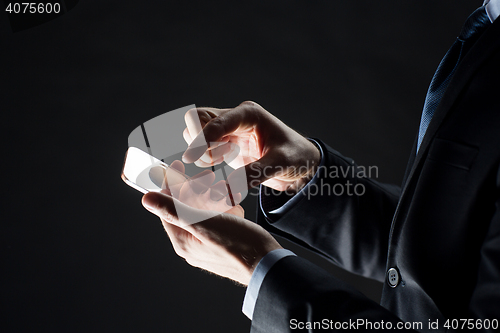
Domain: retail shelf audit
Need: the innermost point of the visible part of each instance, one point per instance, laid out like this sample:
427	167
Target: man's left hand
225	244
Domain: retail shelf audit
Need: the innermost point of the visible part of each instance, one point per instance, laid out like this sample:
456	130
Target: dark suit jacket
440	231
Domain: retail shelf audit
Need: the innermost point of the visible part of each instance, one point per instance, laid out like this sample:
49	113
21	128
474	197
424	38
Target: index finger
224	124
197	118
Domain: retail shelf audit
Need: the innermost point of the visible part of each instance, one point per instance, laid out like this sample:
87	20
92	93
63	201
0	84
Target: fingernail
184	159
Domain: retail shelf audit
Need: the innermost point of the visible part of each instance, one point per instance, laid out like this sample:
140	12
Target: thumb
161	205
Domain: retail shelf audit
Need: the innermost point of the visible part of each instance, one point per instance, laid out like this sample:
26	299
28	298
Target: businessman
434	242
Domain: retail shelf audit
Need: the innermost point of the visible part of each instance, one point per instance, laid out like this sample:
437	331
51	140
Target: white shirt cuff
258	276
492	9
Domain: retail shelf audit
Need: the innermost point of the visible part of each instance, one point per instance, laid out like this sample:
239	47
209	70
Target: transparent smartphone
146	173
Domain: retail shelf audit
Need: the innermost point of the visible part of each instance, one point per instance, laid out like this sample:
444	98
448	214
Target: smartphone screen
146	173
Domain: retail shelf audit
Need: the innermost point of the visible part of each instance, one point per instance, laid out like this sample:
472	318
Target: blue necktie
472	29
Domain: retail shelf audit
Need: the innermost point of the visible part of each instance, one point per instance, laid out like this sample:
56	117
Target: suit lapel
481	50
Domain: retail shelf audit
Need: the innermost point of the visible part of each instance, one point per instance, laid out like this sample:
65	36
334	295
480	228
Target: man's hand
269	151
225	244
199	191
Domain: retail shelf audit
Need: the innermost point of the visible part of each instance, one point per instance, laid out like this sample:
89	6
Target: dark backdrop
79	253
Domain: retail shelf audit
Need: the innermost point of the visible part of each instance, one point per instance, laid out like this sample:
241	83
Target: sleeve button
392	277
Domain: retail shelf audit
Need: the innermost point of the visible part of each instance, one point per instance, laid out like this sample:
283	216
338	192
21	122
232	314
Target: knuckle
215	128
217	121
250	107
249	103
253	112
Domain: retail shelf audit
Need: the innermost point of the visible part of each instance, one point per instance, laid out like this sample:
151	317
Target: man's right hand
269	151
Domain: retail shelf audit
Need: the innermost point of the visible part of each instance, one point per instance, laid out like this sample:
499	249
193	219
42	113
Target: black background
79	253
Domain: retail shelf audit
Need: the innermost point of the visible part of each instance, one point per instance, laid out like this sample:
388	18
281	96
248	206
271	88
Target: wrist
312	163
253	261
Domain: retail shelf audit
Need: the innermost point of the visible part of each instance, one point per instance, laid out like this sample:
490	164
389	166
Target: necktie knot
475	24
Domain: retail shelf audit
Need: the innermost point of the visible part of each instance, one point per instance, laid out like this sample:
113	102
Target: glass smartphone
146	173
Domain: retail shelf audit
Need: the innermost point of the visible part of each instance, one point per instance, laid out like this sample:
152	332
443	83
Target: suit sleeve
296	293
345	216
485	300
